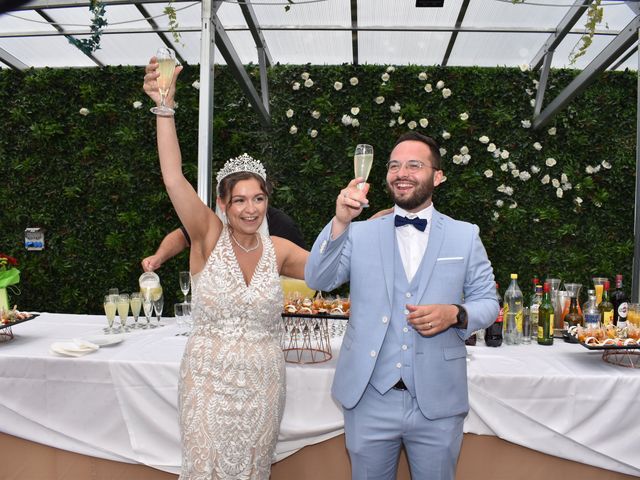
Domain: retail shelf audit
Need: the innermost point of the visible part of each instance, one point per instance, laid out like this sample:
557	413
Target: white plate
104	340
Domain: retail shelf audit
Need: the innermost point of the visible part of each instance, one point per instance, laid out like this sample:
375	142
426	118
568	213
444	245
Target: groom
421	283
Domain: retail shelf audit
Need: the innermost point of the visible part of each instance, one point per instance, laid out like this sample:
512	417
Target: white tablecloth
120	402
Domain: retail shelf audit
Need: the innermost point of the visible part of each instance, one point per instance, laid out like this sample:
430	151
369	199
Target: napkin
75	348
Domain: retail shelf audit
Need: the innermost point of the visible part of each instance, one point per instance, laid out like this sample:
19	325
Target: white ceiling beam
254	28
12	61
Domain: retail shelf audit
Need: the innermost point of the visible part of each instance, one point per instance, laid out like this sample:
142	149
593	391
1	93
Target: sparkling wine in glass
136	305
185	283
147	305
110	308
167	65
123	310
362	161
157	307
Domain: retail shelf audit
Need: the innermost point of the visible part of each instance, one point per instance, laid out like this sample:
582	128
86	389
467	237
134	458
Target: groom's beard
421	194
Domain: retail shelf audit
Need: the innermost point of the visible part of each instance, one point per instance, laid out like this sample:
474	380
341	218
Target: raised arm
171	245
201	223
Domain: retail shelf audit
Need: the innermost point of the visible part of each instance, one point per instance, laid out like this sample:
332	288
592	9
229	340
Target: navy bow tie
419	223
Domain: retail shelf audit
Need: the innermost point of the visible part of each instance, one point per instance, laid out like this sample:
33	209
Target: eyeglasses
412	166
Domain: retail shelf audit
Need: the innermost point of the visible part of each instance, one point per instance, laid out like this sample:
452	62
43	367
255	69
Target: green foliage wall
91	179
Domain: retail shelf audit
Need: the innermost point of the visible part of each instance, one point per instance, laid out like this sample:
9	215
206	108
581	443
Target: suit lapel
436	237
387	234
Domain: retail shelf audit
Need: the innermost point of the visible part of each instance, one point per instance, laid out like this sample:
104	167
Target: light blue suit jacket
456	267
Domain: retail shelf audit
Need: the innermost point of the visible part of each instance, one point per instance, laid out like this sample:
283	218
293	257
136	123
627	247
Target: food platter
609	347
29	316
336	316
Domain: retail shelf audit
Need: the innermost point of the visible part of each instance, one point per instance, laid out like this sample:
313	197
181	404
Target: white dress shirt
412	243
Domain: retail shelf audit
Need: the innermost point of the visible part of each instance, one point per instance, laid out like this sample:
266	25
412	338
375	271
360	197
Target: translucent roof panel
495	49
402	48
46	52
398	14
316	47
333	12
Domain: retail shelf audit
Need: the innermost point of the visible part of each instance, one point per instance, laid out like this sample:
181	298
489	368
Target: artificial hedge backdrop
78	158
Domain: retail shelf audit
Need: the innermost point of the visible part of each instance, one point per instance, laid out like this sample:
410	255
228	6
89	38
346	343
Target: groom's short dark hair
428	141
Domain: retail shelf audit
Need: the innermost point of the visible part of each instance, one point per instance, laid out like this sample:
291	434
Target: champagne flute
167	65
123	310
179	313
110	311
136	304
147	305
185	283
157	307
362	161
186	306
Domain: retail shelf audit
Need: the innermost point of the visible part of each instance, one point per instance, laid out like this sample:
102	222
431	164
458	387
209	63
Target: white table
120	402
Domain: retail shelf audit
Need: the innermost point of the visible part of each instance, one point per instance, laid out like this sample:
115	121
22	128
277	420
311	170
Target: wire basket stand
622	358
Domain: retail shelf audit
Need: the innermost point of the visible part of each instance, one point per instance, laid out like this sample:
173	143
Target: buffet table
120	402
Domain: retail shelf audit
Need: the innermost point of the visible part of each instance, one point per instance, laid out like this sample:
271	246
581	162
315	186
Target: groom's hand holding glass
349	205
152	87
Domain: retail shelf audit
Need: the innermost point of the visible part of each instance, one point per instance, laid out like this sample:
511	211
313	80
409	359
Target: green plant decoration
594	18
98	22
170	12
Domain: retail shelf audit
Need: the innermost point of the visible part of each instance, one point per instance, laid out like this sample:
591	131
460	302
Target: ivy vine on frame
170	12
98	23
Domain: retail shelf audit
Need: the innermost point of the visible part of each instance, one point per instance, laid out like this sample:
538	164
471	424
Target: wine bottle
493	334
534	310
546	317
606	307
620	306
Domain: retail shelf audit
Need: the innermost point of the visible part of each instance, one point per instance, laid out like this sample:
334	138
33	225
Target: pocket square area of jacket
450	259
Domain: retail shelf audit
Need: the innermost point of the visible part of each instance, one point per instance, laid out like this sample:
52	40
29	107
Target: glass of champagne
185	283
123	310
167	64
147	305
362	161
178	309
110	308
158	303
136	304
188	319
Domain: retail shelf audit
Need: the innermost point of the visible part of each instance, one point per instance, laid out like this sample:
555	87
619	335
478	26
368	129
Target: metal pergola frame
213	33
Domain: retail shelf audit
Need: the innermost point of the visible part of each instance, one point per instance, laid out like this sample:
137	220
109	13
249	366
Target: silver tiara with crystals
243	163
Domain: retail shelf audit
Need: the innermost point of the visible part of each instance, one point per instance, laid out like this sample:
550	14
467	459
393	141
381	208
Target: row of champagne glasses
120	303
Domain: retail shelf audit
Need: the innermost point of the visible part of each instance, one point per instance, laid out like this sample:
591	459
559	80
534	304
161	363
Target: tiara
243	163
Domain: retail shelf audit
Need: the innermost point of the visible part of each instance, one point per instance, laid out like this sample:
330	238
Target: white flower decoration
137	105
550	162
524	176
293	130
535	169
596	169
395	108
514	204
552	131
392	123
504	154
464	116
289	113
511	165
385	77
355	123
502	188
440	85
545	179
508	191
559	192
578	201
412	125
313	133
496	215
515	173
400	120
443	151
567	186
428	88
446	135
422	76
304	76
491	147
446	93
597	204
308	83
355	110
346	120
484	139
525	123
504	167
524	67
532	102
499	203
535	83
353	81
528	91
391	69
589	169
465	158
464	150
555	182
196	85
84	111
606	165
337	85
457	159
488	173
564	178
379	100
424	122
295	86
315	114
537	146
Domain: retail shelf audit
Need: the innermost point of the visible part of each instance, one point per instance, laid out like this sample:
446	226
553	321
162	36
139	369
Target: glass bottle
546	317
573	317
585	305
535	283
591	312
493	334
606	307
513	312
533	311
620	305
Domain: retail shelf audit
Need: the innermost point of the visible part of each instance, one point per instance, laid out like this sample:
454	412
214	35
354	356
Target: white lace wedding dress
232	376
